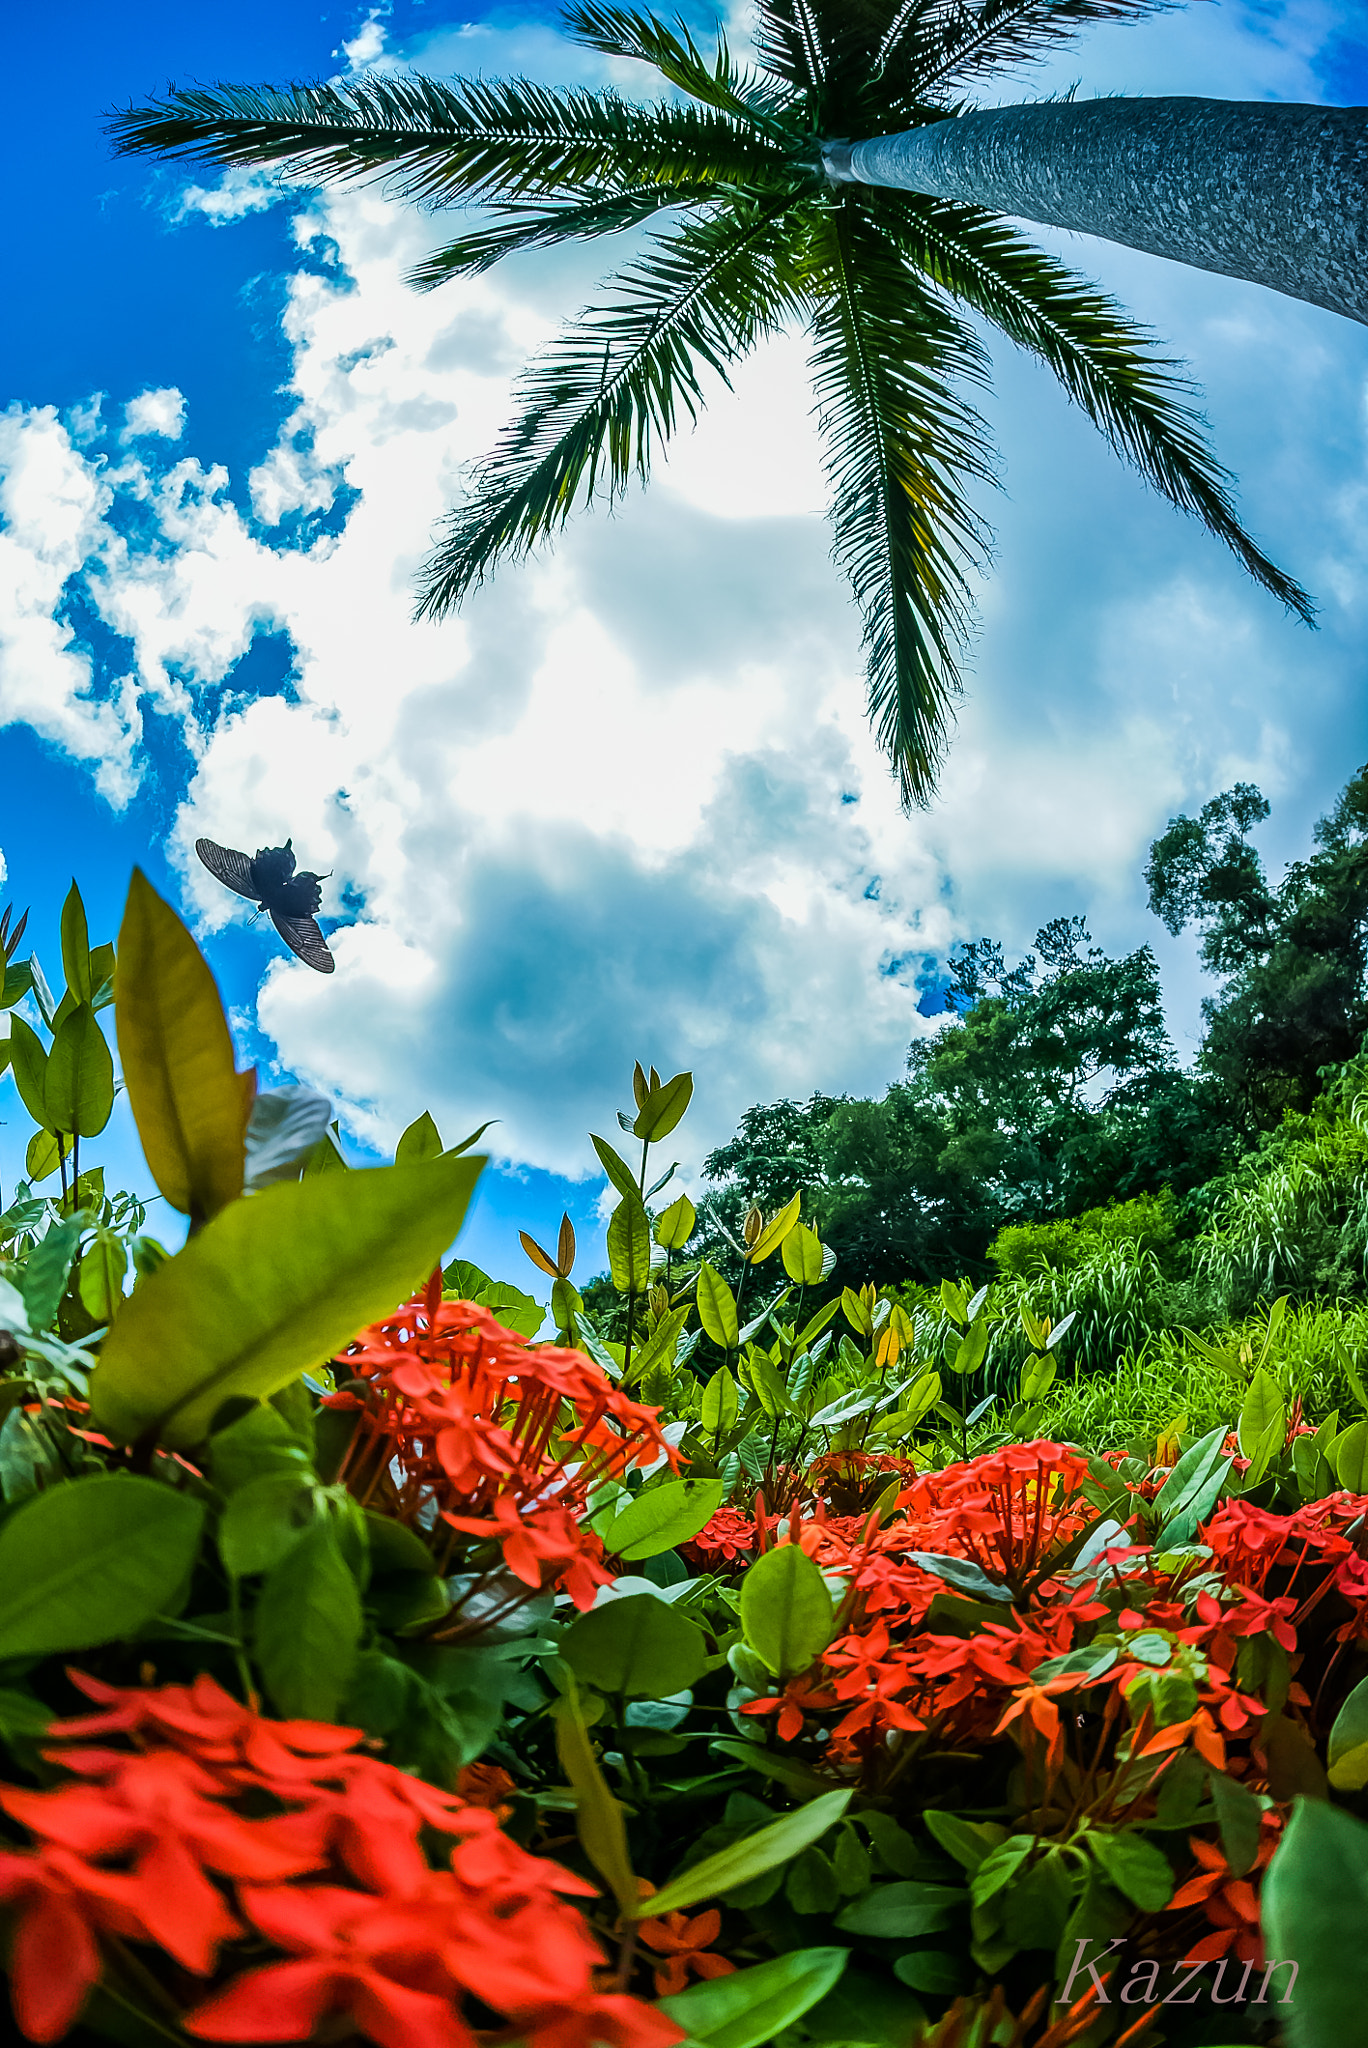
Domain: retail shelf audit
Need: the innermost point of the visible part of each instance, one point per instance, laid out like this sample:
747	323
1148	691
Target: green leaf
802	1254
776	1230
103	1268
78	1087
640	1647
717	1307
262	1521
675	1225
257	1444
28	1061
1348	1753
616	1167
629	1245
47	1269
721	1402
598	1816
284	1130
1185	1496
779	1843
963	1574
188	1100
43	1155
1239	1813
750	2008
971	1350
665	1104
661	1518
1348	1457
1137	1869
76	947
903	1910
308	1627
91	1561
969	1842
786	1612
1263	1424
1315	1907
420	1141
271	1287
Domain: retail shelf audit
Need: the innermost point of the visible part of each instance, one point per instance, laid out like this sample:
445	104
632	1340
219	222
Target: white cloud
627	805
240	191
155	412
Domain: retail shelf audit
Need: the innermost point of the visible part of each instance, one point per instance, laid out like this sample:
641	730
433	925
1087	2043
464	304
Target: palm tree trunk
1276	194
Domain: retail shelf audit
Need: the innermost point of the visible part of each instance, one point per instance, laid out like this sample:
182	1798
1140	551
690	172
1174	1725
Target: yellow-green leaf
717	1307
780	1842
598	1816
776	1230
189	1102
421	1140
629	1245
76	947
665	1104
802	1254
271	1287
675	1225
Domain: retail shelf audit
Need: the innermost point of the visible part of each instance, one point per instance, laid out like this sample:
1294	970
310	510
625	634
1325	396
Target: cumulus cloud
627	804
155	412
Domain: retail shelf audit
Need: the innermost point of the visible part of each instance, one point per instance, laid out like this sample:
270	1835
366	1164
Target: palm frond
438	143
789	43
615	384
516	228
901	449
621	32
929	43
1105	362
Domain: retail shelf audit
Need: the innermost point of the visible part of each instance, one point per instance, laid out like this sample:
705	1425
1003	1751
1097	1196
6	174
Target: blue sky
626	807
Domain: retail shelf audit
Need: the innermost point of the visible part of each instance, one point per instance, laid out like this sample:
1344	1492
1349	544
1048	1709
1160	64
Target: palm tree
761	237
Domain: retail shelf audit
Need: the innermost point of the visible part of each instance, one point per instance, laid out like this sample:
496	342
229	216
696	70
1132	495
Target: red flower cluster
198	1836
505	1441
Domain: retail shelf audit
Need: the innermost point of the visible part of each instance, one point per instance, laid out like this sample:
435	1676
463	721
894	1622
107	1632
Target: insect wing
231	868
303	937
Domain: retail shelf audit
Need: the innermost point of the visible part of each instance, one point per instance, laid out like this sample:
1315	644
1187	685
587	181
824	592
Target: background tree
1293	957
885	282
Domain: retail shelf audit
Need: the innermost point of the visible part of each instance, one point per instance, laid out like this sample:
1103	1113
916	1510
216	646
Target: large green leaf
1186	1496
1348	1754
717	1307
308	1627
721	1402
76	947
752	2007
904	1910
78	1087
1263	1423
91	1560
663	1517
629	1245
28	1061
1315	1908
421	1140
271	1287
188	1100
802	1254
675	1225
640	1647
786	1610
779	1843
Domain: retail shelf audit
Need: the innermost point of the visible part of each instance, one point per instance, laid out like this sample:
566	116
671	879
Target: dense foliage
1056	1090
388	1655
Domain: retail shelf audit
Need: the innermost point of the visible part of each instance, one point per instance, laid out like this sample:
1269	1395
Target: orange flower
683	1943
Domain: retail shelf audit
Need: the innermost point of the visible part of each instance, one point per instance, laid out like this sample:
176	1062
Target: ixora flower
459	1419
292	1872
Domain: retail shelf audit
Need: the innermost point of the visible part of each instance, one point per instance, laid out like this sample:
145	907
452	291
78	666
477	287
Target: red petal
55	1962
